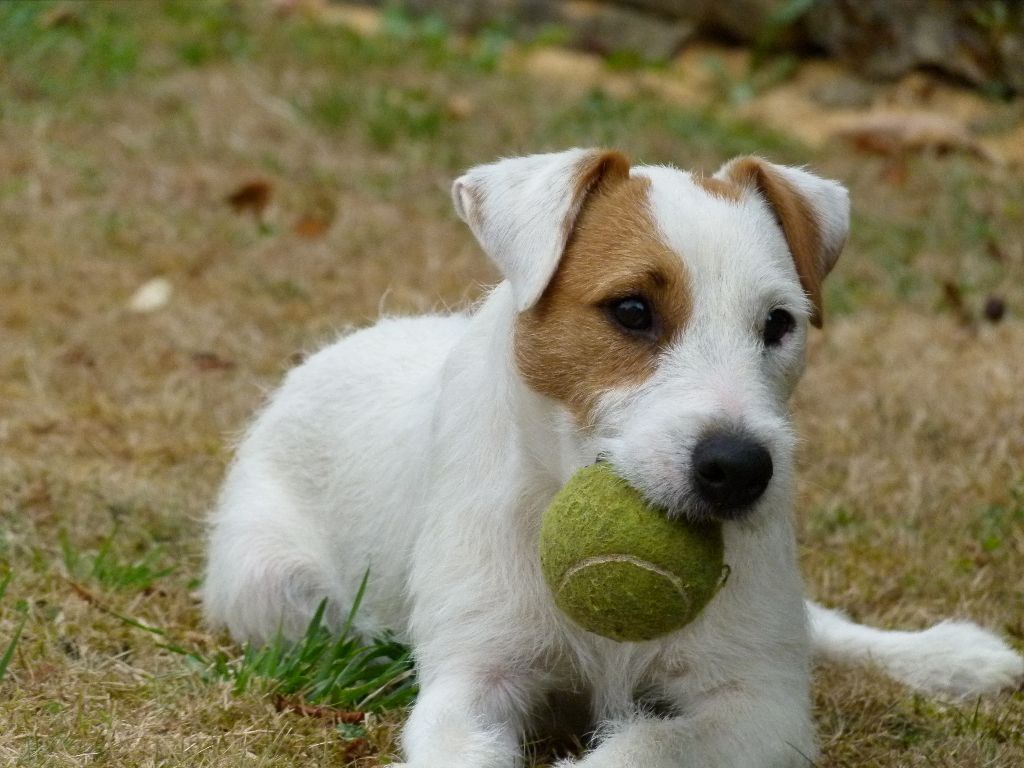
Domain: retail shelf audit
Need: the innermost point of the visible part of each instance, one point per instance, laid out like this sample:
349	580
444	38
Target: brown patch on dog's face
568	346
798	222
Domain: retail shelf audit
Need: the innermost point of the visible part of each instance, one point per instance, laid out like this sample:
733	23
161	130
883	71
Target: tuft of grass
334	106
211	31
108	568
835	519
49	50
22	608
336	669
997	523
410	114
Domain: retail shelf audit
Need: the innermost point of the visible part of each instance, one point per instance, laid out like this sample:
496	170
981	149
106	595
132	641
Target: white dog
648	316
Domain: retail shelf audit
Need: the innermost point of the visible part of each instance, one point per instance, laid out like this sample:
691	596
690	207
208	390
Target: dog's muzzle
731	470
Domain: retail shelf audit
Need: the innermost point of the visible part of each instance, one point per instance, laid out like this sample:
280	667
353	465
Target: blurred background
195	194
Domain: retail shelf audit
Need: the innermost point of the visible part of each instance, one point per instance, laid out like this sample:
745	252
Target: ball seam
647	565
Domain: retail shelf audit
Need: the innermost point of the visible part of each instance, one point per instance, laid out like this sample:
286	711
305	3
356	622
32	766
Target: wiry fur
416	449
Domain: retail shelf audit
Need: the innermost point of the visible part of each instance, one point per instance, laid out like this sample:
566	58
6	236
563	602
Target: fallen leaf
78	355
211	361
311	226
995	250
63	15
331	714
253	196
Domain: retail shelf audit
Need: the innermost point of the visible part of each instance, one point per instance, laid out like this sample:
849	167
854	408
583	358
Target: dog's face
666	312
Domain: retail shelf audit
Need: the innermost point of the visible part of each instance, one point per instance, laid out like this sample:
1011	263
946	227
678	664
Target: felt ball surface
620	567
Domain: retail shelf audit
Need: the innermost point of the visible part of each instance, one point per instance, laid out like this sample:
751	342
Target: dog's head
666	312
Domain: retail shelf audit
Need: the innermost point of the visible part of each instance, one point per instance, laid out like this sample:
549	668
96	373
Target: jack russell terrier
648	316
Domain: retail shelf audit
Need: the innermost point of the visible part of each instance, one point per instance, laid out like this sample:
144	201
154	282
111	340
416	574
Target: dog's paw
958	659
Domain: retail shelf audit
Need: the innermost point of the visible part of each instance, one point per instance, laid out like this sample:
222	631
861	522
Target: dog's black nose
730	471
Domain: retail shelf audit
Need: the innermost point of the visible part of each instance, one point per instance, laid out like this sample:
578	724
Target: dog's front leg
734	726
464	720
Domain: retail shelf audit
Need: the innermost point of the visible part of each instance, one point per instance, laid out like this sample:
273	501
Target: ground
125	128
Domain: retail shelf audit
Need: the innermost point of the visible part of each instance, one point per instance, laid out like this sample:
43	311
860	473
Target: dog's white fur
415	449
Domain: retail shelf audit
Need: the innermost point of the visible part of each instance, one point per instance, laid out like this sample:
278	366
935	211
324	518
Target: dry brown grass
114	169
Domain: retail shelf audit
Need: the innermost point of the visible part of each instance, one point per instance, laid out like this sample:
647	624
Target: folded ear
523	210
814	214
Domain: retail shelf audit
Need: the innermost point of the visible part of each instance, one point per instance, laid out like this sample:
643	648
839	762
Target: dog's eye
633	313
776	326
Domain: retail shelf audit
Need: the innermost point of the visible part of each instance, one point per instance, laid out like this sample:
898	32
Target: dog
650	317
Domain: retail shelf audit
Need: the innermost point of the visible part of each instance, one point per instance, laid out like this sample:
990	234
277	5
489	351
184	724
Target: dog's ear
523	210
814	214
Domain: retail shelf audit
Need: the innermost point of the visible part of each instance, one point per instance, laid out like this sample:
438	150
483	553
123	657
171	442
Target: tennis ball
620	567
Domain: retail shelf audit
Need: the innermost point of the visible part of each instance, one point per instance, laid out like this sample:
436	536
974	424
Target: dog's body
426	450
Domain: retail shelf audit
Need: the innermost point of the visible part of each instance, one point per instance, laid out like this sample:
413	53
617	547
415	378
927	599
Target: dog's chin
692	509
704	513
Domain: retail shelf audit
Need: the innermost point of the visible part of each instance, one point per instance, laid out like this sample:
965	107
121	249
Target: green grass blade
5	660
347	626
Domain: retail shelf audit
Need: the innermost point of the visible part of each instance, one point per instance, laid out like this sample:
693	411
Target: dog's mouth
700	512
683	501
722	473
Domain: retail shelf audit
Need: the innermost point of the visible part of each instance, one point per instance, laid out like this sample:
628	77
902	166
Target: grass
124	127
340	674
12	644
108	570
339	671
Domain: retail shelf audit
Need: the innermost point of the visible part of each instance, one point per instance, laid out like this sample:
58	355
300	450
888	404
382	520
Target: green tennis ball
618	566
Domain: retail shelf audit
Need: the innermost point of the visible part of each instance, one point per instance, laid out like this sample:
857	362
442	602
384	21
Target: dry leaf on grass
211	361
320	712
253	196
311	227
355	747
78	355
995	250
63	15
